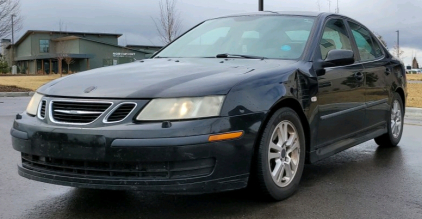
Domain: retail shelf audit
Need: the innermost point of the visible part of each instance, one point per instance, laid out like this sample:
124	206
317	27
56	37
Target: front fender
259	93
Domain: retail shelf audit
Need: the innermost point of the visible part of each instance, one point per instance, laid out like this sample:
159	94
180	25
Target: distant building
145	47
151	49
415	64
4	43
38	51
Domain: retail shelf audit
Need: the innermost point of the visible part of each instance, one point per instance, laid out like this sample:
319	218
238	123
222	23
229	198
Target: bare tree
381	39
9	8
60	55
398	52
61	49
169	23
69	60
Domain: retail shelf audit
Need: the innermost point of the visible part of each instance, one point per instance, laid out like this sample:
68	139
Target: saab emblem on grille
89	89
72	112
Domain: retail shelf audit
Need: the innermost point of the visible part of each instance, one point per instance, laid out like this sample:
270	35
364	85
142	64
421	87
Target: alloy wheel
284	153
396	119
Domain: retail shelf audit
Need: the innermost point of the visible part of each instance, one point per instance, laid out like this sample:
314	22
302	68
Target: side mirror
339	57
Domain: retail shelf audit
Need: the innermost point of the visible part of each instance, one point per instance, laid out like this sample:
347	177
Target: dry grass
414	77
414	99
29	82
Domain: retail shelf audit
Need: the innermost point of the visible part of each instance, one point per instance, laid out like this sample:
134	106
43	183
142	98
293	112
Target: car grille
42	109
121	112
77	112
119	170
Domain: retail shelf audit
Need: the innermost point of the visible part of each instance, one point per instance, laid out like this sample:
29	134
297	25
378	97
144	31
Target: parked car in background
414	71
235	101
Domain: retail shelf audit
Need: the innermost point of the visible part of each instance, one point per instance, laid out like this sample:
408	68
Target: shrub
22	69
4	67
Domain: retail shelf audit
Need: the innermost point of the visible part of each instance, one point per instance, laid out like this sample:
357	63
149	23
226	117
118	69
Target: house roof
109	44
27	33
53	56
66	38
133	45
137	50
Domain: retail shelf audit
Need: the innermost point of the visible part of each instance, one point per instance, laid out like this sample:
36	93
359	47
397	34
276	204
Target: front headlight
181	108
32	107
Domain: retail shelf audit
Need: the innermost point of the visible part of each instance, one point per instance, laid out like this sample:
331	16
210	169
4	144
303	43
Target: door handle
359	76
387	71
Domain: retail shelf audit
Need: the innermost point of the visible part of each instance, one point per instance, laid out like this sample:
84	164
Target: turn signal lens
225	136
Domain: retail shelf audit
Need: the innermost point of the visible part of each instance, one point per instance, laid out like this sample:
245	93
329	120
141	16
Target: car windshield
277	37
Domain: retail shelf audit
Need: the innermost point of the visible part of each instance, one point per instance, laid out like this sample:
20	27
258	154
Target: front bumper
132	156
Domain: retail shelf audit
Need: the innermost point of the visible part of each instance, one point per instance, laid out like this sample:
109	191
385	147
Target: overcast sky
133	19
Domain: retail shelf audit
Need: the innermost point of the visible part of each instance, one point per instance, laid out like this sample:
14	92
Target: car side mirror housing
339	57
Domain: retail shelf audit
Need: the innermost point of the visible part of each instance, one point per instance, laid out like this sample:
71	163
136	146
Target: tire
393	136
290	155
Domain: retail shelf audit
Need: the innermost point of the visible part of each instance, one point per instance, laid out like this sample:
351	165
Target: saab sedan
235	101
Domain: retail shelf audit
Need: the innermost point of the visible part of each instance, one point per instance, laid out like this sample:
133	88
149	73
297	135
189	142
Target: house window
44	46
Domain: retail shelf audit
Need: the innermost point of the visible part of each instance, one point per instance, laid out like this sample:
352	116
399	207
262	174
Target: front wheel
395	125
281	155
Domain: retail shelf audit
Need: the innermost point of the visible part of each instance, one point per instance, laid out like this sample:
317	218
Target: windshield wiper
228	55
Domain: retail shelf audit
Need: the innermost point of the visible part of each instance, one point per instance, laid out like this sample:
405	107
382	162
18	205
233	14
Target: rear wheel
281	155
395	125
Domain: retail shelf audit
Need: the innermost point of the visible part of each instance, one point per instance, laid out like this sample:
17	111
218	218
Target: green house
47	52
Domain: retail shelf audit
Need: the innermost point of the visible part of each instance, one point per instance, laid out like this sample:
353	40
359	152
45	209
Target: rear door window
368	48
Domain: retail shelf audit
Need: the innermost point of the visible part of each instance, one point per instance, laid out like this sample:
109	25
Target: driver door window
334	37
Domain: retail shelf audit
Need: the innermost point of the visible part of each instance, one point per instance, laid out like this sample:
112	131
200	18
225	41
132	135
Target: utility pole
398	44
338	9
329	5
261	5
13	40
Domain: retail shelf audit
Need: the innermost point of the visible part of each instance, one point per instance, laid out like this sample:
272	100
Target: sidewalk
16	94
413	112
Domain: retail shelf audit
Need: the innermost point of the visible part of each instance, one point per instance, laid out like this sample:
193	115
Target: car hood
155	78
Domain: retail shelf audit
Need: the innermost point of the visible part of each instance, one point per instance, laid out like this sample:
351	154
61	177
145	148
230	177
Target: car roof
297	13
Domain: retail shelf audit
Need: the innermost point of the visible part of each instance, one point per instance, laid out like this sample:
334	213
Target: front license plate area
74	146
